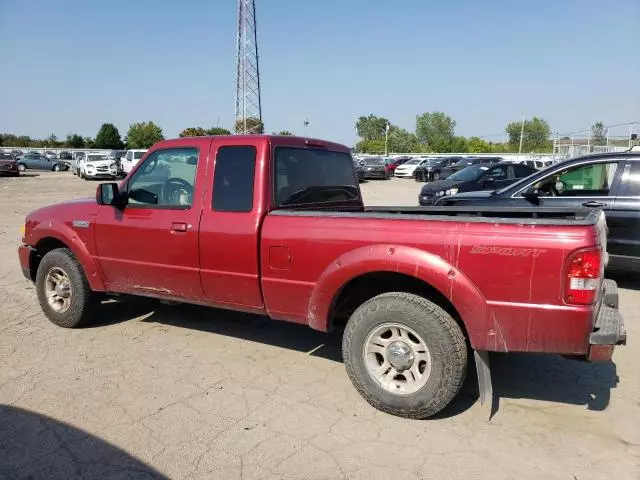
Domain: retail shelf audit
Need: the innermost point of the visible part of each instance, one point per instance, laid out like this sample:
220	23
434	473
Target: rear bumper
609	329
375	174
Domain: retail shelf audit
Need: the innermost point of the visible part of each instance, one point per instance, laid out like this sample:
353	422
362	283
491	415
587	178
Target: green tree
24	141
218	131
143	135
108	137
74	141
401	141
193	132
535	138
371	146
598	134
477	145
249	125
436	130
284	132
459	145
371	127
51	141
88	142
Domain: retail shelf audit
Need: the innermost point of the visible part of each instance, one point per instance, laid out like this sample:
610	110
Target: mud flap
485	387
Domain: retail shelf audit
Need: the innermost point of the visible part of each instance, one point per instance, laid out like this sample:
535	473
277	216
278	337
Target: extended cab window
592	180
166	179
311	176
233	179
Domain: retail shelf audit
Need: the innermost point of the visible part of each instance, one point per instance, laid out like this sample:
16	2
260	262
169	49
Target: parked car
51	155
446	166
608	181
38	161
374	167
277	226
130	160
406	169
8	164
17	153
392	163
97	165
473	178
65	155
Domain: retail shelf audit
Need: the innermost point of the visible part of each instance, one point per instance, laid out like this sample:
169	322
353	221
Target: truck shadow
35	446
549	378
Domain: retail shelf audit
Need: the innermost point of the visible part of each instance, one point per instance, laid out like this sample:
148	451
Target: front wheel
435	176
63	290
404	354
56	168
22	167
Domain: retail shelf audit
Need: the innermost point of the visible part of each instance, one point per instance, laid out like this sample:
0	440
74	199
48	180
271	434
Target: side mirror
109	194
532	195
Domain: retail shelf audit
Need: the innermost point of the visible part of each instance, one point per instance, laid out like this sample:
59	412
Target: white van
131	159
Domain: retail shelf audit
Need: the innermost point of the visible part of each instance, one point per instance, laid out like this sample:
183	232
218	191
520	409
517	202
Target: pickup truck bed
277	226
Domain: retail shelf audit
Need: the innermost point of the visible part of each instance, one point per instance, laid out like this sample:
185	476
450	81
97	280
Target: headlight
440	193
113	165
451	191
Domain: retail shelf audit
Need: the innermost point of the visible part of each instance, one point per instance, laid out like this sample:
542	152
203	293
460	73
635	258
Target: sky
71	65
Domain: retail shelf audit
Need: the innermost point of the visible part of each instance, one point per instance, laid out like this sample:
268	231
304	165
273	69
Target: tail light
583	277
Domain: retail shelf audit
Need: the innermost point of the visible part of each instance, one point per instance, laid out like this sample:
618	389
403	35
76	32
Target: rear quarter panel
504	279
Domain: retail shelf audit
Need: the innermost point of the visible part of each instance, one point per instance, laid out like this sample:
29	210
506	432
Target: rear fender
431	269
65	234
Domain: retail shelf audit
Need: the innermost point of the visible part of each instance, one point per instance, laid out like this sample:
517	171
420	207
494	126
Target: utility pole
607	139
386	140
248	102
521	136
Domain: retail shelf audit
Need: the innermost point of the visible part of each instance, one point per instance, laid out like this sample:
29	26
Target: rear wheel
404	354
63	290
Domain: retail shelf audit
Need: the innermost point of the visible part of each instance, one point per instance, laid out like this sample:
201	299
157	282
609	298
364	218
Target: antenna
248	103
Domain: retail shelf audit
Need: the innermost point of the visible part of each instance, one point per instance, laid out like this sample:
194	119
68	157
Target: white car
97	165
131	159
406	169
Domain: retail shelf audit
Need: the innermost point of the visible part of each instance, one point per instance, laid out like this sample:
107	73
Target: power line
504	134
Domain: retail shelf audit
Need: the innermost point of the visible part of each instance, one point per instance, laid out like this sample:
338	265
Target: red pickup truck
277	226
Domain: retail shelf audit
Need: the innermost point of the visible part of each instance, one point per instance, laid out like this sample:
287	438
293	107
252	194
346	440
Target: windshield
306	176
373	161
472	172
138	155
413	161
96	158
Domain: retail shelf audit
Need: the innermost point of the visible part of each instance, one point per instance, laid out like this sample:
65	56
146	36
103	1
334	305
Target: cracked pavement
157	391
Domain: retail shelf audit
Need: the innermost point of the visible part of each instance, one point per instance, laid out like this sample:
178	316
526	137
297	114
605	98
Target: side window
593	180
129	156
165	180
631	186
498	173
233	179
521	171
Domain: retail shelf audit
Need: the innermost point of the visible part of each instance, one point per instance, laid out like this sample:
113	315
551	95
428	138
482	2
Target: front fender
65	234
431	269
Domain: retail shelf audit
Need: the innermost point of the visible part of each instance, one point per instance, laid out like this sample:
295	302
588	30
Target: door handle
593	203
179	227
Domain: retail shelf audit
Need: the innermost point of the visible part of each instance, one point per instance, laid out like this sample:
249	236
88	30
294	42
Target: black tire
435	176
56	168
22	167
440	332
83	300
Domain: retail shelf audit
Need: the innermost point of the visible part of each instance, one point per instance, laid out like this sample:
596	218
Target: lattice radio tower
248	104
